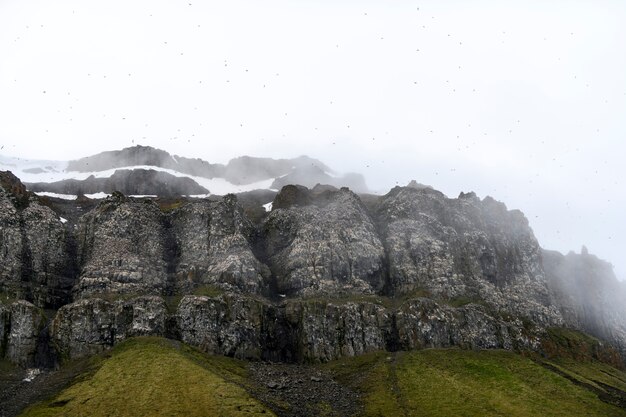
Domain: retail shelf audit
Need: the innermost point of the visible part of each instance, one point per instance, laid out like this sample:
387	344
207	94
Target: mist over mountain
150	171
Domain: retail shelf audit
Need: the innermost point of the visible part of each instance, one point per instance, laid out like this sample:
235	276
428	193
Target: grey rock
34	261
422	323
213	246
230	324
323	244
464	248
91	326
122	249
26	322
327	330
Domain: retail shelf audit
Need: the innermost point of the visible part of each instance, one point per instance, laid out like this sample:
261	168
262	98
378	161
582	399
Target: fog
523	101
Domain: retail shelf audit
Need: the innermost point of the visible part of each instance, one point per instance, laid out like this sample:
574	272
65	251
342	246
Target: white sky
524	100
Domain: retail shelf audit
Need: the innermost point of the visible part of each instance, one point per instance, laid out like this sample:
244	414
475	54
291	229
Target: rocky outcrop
323	244
213	247
122	249
423	323
91	326
588	294
25	322
34	248
229	325
325	331
297	330
464	248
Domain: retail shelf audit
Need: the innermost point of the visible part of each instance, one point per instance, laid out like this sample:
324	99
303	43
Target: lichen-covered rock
50	268
329	246
140	316
422	323
91	326
327	330
464	248
26	322
83	328
230	324
122	249
34	261
212	238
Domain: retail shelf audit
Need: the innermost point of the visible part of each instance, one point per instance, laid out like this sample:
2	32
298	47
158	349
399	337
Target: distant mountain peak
241	174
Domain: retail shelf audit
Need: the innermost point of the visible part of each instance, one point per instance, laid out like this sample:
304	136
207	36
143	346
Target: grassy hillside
452	382
156	377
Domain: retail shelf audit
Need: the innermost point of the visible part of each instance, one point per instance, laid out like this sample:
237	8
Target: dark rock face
464	248
122	249
33	251
213	247
91	326
229	325
588	294
328	247
130	182
327	330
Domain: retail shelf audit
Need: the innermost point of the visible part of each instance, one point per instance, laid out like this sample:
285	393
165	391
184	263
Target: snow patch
54	171
55	195
97	196
268	206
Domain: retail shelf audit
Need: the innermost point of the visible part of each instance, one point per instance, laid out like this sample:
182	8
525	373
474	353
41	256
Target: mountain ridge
244	173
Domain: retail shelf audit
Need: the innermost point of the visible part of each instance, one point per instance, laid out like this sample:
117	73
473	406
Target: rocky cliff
321	276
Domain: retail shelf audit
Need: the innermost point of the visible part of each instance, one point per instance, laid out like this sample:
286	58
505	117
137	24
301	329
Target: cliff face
323	244
212	241
121	249
319	277
35	248
464	248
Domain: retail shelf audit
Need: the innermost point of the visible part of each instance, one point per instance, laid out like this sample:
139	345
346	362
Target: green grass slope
452	382
156	377
159	377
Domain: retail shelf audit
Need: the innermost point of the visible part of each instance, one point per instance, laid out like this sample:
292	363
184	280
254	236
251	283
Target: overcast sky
524	101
